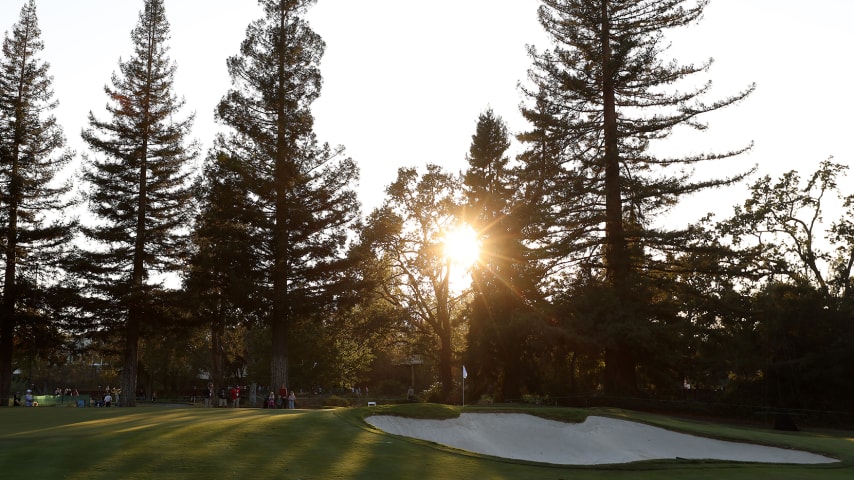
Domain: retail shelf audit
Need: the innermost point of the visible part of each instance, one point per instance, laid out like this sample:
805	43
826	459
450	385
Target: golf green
163	442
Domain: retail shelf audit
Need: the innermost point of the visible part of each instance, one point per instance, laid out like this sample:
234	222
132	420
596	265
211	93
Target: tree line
577	289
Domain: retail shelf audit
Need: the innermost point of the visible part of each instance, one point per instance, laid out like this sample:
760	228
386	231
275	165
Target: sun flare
461	246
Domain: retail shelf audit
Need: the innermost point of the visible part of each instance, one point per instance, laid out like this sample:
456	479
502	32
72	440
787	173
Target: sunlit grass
157	442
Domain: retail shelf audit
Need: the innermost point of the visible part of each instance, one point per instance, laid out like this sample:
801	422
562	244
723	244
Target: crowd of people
29	399
225	396
232	394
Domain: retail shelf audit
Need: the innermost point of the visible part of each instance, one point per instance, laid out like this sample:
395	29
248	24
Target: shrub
335	401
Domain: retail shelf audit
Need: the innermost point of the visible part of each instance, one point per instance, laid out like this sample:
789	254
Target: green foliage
139	191
597	103
796	353
301	192
503	325
784	220
223	279
413	276
32	157
331	353
576	287
436	411
335	401
791	333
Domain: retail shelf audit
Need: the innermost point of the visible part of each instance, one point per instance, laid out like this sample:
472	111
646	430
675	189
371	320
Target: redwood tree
598	101
140	193
502	320
32	153
303	191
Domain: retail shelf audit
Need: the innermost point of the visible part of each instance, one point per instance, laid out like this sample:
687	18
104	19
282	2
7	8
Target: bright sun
461	246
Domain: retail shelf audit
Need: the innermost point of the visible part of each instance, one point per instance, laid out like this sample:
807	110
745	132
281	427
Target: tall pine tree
32	153
223	275
140	191
302	190
598	101
503	294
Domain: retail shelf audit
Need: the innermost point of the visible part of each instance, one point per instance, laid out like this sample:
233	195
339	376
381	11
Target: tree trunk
7	330
8	316
620	375
131	360
619	366
446	378
7	321
284	176
217	357
443	314
279	356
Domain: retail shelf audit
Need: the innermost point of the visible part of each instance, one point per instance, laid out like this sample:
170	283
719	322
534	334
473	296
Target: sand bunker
598	440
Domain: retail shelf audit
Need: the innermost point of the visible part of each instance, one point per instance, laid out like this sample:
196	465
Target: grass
161	442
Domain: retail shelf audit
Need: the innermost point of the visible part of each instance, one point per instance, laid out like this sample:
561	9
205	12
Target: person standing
283	395
108	399
235	396
209	392
28	399
221	395
291	399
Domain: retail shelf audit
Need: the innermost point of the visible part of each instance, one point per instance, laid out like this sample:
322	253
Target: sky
405	80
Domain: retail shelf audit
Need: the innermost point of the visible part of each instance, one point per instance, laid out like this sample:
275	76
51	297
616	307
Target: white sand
598	440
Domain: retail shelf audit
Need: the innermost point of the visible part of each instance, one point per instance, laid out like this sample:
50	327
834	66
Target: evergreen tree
598	102
223	276
140	191
302	190
32	153
501	311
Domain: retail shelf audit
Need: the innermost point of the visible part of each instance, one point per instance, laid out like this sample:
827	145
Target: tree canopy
32	196
301	190
548	267
140	190
597	102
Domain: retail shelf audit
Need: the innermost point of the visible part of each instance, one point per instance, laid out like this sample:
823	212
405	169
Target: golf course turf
174	442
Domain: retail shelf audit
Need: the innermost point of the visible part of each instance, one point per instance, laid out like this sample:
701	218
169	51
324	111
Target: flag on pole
465	374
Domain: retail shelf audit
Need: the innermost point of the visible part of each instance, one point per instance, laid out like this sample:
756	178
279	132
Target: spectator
291	399
235	396
271	400
28	399
108	399
221	395
209	392
16	401
283	395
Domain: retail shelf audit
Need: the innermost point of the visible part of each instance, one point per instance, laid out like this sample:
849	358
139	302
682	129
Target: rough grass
159	442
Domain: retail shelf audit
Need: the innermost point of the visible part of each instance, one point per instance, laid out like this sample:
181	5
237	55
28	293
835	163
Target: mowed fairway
162	442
